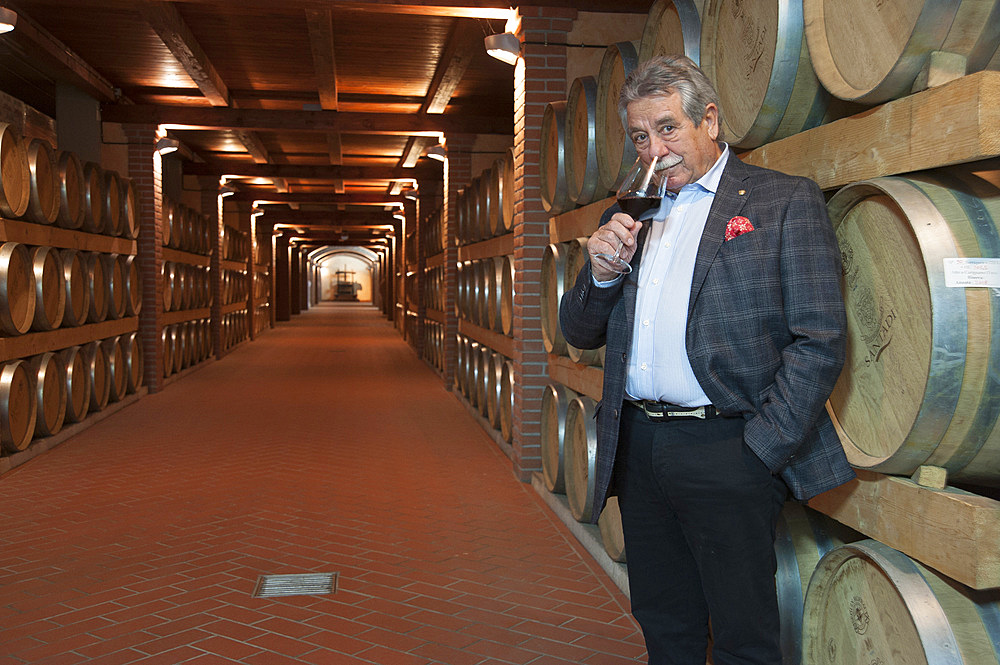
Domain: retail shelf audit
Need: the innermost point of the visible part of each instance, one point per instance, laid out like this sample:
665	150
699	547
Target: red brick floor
324	446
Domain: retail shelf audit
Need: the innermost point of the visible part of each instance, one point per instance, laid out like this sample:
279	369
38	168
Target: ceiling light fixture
504	46
167	145
8	19
438	152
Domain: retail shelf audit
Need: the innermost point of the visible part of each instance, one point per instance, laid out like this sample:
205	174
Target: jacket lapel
728	203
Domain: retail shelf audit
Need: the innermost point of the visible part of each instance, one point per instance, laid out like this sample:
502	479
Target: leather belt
665	411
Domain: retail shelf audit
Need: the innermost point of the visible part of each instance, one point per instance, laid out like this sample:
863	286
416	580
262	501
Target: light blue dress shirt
658	364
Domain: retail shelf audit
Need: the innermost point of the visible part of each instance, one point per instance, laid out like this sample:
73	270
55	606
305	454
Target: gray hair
665	74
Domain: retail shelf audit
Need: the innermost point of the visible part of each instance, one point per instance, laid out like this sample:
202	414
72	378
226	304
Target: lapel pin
742	192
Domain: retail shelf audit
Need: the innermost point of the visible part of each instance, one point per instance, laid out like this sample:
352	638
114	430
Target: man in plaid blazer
723	344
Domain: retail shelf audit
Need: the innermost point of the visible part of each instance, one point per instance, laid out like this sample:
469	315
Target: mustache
667	162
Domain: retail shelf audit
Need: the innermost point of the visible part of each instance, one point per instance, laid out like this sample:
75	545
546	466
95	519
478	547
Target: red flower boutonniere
737	226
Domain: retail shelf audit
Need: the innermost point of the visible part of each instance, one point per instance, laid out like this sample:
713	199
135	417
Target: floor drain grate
305	584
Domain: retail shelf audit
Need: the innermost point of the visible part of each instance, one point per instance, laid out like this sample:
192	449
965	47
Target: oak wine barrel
72	195
615	152
553	287
494	292
18	408
111	203
494	378
803	536
133	284
507	295
15	176
114	271
77	290
507	401
17	289
93	196
507	195
117	368
48	375
610	526
756	56
99	373
582	175
132	350
473	205
169	209
50	288
919	383
168	275
43	195
555	193
673	27
77	384
867	602
858	58
487	205
495	194
580	453
98	283
555	403
129	209
167	345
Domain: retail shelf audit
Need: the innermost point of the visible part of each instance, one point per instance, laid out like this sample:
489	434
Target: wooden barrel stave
672	27
15	175
553	287
576	257
77	384
507	194
582	174
555	192
18	407
99	374
580	452
117	368
98	285
132	350
493	386
555	403
77	291
43	196
72	197
507	295
610	526
17	289
50	288
507	401
49	376
615	152
93	196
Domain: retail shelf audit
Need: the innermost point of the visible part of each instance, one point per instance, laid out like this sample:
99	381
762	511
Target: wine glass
640	191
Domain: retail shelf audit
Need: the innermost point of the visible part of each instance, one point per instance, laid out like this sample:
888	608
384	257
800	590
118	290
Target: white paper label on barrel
960	272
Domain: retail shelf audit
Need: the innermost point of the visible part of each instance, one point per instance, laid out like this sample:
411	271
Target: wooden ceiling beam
320	24
316	219
166	21
187	117
306	172
465	41
312	197
251	141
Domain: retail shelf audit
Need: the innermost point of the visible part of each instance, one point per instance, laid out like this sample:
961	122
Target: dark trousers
698	514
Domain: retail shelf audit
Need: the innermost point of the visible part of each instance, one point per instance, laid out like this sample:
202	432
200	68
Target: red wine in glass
636	205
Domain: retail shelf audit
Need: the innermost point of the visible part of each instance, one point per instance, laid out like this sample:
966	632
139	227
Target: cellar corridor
326	446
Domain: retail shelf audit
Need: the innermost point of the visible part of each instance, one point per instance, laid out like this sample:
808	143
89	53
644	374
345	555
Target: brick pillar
282	306
294	279
457	174
539	78
145	170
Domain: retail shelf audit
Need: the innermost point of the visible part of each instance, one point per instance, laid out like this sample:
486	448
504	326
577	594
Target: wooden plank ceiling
316	105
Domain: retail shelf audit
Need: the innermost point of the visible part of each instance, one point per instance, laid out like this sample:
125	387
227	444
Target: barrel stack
70	296
810	88
484	301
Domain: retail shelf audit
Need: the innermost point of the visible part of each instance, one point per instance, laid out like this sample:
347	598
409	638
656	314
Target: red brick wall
539	78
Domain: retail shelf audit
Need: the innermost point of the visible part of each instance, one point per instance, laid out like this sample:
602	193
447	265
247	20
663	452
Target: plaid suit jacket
765	334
